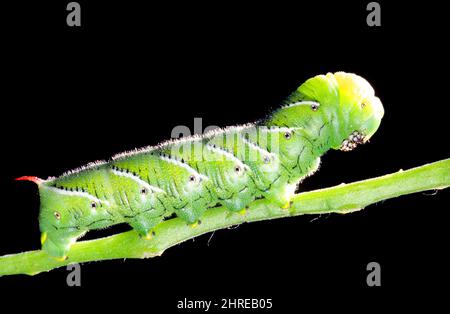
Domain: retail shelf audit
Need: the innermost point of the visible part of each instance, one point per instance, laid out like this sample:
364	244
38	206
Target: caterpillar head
364	109
338	110
351	100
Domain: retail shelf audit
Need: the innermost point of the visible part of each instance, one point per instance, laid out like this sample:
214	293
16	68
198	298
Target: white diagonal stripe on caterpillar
138	180
302	103
219	150
78	193
183	165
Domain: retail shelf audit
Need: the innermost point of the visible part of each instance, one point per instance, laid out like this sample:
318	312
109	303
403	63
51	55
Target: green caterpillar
230	167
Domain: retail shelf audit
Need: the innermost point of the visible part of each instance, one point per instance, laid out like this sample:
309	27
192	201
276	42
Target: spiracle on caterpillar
229	167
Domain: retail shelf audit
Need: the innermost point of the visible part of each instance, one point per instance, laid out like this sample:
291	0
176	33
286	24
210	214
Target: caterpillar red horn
30	178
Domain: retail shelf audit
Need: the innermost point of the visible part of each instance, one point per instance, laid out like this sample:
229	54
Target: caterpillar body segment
229	167
229	179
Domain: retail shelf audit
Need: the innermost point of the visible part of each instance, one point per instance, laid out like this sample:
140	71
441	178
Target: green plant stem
343	198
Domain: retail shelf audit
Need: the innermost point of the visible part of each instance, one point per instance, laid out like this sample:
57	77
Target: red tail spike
30	178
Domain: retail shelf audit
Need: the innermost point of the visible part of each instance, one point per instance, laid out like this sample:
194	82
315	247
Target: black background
132	72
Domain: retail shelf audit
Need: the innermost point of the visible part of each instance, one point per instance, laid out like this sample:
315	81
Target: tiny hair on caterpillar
231	167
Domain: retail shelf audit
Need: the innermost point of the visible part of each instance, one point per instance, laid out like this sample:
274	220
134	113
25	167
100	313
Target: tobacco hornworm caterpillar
231	166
